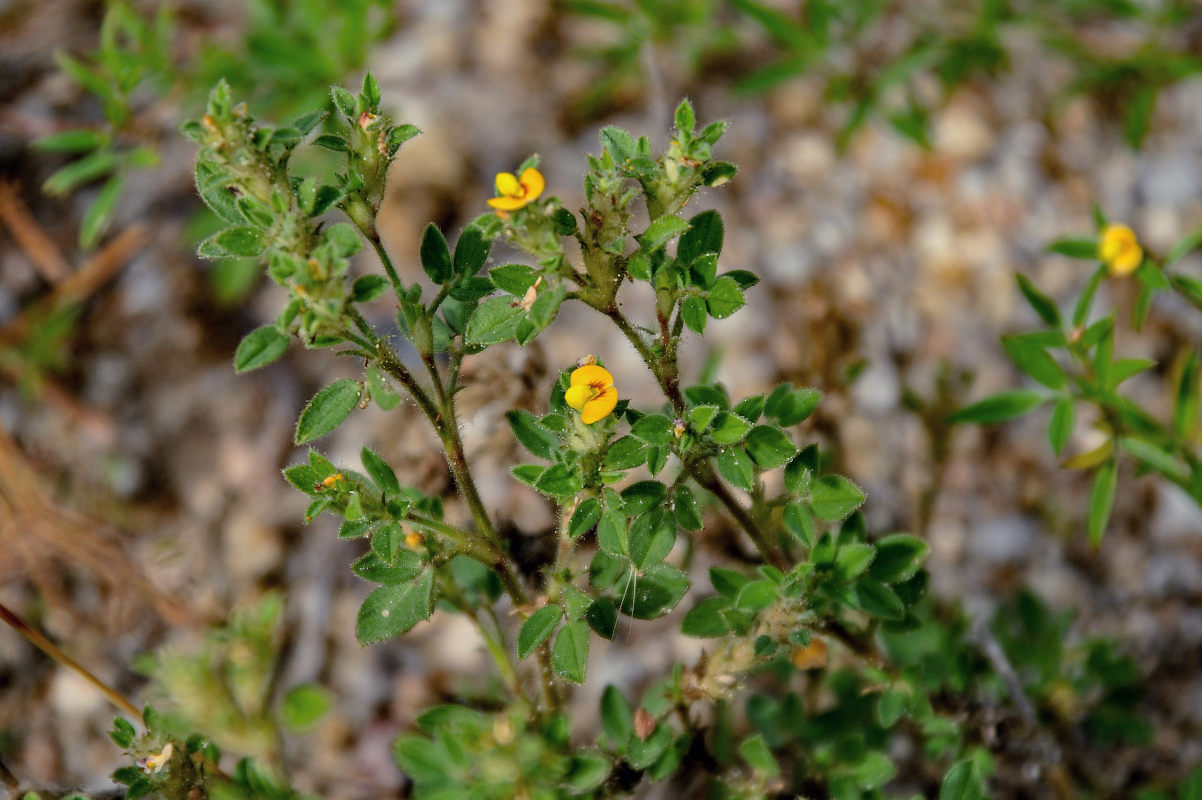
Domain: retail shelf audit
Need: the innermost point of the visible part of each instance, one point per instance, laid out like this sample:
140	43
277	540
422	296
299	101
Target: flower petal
592	375
533	182
507	203
1127	260
578	396
508	185
600	406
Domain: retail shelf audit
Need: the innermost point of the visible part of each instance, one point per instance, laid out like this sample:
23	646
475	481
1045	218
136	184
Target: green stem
373	236
667	374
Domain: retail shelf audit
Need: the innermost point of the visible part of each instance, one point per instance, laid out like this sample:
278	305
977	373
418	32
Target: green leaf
100	213
617	721
729	428
513	278
421	759
584	517
586	771
889	708
769	446
368	287
559	481
259	348
537	629
625	453
999	407
1191	787
602	617
327	410
693	313
684	118
651	538
704	270
381	392
344	101
704	235
535	436
727	582
612	533
852	559
653	429
1030	356
393	609
756	596
724	298
879	600
642	496
1139	114
755	752
1187	244
898	557
381	474
569	654
546	306
833	497
963	782
304	706
874	771
1101	500
496	320
370	91
79	172
684	506
1086	249
123	733
1060	428
436	255
1185	411
657	592
735	465
242	240
661	231
73	141
705	619
471	252
789	406
1085	301
1155	457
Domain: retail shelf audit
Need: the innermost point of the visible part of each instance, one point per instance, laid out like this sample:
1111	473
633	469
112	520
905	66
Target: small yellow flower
414	539
592	393
1119	249
156	762
514	192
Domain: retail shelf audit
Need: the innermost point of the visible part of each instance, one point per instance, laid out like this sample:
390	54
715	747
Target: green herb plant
633	487
1076	361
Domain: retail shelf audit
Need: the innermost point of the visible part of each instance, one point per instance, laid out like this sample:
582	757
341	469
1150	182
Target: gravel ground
888	258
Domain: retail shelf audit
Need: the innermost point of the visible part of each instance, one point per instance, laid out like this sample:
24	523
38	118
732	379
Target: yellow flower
592	393
514	192
152	764
1119	250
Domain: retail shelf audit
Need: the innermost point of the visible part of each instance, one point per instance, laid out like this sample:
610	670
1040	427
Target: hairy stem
667	373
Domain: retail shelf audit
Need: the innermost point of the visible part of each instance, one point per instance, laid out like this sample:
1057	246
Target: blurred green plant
1074	359
900	61
136	69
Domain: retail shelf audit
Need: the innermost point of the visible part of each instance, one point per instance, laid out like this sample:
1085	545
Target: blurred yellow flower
592	393
1119	249
516	192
